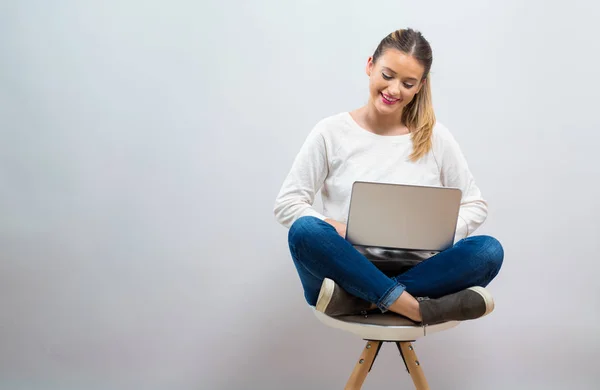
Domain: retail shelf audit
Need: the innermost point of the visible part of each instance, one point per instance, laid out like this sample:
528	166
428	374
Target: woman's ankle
407	306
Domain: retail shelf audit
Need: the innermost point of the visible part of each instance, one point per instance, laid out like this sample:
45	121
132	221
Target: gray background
142	144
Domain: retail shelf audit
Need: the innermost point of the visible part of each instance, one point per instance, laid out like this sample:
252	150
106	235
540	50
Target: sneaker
469	304
334	301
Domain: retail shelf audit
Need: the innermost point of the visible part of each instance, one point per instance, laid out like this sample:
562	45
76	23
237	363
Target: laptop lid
400	216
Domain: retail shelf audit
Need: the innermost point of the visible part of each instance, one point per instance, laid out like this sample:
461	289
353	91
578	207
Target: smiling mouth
388	99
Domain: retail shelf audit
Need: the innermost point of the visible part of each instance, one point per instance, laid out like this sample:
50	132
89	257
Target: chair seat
390	326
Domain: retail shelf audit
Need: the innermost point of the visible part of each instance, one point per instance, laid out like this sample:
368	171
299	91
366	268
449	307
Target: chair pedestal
368	356
384	328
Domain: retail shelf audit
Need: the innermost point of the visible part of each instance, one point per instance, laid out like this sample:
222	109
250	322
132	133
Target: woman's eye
386	77
409	86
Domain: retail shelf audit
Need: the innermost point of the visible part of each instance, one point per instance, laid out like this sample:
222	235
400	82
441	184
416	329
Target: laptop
401	216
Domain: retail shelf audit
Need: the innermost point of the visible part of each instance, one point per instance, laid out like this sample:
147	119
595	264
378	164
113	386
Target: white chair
392	328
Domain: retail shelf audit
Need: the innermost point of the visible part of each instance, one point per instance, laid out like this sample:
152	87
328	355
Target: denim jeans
320	252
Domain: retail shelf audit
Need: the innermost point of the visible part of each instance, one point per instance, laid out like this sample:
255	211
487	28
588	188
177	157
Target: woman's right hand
339	227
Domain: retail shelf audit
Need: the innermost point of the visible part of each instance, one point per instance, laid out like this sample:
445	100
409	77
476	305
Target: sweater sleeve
455	172
304	180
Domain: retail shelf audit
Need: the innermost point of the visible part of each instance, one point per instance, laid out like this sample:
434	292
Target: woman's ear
370	66
421	84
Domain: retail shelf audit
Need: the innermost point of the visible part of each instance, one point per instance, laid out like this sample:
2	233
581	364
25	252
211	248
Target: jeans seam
294	258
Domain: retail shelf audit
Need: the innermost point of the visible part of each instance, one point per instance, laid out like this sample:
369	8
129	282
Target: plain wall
142	144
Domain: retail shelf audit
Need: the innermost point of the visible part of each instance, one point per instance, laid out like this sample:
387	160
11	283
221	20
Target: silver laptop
399	216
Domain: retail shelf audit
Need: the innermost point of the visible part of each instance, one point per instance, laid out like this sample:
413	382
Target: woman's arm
304	180
454	172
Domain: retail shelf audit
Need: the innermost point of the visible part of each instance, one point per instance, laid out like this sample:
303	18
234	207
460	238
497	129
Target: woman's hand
339	227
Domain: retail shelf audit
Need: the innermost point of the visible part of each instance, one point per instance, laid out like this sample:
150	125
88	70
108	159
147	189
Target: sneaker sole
487	298
325	295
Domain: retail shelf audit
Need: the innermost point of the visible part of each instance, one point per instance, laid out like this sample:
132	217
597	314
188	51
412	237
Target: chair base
368	356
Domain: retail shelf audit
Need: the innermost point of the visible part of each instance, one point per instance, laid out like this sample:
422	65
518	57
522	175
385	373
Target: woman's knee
491	252
305	228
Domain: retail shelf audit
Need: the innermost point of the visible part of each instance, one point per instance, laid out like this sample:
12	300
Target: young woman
394	138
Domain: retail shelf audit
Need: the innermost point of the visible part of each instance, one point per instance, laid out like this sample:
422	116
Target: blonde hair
418	115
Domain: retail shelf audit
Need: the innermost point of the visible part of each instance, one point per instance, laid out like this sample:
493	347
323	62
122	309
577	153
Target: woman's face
394	80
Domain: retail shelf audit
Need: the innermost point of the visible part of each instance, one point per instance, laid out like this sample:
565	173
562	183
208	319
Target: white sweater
338	152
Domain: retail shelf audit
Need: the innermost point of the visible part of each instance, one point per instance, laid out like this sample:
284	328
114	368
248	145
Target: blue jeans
320	252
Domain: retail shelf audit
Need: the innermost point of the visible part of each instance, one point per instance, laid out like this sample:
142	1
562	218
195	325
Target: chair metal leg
412	364
363	366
